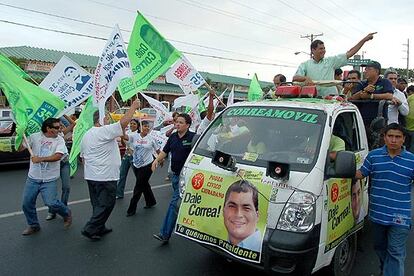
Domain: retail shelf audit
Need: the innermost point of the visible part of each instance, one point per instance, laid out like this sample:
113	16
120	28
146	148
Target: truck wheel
344	257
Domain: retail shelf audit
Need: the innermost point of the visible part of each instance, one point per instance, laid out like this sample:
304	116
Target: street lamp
302	52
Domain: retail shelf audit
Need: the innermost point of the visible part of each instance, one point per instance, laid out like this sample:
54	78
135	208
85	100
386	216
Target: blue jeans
389	244
48	191
65	178
172	213
123	173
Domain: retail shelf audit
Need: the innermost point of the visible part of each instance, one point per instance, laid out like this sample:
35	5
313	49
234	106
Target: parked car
8	153
151	112
119	113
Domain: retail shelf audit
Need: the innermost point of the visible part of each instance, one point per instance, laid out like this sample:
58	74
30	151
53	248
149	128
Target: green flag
31	104
5	61
255	91
83	124
150	56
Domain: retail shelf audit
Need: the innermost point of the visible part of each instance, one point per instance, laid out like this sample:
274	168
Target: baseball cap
374	64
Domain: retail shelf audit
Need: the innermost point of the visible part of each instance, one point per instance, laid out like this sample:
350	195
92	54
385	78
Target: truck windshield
261	134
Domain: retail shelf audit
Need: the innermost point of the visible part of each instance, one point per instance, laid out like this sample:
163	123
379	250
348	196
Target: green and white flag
31	105
150	56
83	124
5	61
255	91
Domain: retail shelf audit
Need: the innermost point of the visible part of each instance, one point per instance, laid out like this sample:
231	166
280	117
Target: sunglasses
55	127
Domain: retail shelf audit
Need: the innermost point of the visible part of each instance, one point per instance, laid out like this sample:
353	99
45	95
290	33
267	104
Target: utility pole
408	58
311	37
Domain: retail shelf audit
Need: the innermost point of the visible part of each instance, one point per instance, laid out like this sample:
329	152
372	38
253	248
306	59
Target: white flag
215	101
230	99
113	66
70	82
195	119
159	137
188	100
162	112
184	75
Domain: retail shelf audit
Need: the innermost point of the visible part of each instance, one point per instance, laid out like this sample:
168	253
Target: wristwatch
372	96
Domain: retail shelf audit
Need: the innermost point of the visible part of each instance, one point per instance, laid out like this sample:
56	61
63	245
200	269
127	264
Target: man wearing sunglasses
48	148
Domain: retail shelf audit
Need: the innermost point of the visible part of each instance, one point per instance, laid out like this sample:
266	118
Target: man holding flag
102	160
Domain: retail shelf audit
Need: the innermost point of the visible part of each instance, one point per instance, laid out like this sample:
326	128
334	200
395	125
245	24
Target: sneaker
167	179
130	214
67	221
149	206
119	197
160	238
30	230
92	237
50	216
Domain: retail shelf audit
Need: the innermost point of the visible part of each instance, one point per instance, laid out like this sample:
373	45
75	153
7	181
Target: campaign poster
229	212
345	209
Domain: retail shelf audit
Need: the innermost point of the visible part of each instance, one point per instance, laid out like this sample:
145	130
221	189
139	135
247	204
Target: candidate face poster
229	212
345	209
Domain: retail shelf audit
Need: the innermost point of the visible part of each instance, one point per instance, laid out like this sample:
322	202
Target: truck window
261	134
346	128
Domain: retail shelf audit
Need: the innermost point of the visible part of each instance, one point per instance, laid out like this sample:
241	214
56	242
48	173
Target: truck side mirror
344	165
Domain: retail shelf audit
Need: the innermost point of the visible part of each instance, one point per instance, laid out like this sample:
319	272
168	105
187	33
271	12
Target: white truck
292	160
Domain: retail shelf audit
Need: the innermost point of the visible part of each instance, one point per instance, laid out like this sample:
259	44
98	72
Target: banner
230	99
345	209
209	207
6	144
162	112
183	74
255	91
70	82
190	100
159	137
83	124
113	66
31	104
150	55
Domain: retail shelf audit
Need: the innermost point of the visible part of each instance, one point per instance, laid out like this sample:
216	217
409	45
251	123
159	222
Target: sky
265	33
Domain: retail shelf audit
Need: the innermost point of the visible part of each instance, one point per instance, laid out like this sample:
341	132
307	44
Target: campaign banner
150	55
345	209
229	212
6	144
113	66
159	137
70	82
162	112
183	74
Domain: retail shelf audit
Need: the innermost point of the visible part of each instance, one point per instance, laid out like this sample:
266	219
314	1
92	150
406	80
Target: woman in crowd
127	159
144	145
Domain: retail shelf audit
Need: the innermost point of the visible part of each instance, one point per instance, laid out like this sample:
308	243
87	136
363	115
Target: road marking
12	214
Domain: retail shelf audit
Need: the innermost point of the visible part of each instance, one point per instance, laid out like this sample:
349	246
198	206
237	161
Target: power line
193	26
236	16
336	17
104	39
267	13
311	18
110	27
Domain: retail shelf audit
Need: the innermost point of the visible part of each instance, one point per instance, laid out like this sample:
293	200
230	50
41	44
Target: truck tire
344	257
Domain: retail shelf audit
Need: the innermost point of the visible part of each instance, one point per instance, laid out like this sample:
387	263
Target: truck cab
295	158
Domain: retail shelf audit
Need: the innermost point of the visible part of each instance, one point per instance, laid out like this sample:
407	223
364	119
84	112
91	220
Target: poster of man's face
356	193
74	75
240	212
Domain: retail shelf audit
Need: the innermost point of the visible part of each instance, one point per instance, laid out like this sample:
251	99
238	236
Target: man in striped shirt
391	169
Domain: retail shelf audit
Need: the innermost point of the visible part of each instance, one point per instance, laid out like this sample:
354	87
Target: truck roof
309	103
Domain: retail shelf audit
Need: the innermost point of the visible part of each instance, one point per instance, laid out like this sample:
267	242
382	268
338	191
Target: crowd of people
105	172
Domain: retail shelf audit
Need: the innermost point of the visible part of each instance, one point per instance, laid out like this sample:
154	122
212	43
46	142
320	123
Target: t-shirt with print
100	152
143	149
43	146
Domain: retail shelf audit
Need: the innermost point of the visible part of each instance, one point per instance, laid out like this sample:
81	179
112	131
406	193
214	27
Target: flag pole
210	88
139	118
27	145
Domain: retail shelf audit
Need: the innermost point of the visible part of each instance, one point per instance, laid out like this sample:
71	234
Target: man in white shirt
48	148
399	104
102	160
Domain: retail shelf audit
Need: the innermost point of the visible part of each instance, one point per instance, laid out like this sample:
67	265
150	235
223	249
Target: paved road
129	250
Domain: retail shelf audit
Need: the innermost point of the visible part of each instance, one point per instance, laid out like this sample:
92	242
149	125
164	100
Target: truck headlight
299	213
181	182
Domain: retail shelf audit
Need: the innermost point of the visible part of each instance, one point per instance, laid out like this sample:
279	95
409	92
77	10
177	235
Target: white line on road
6	215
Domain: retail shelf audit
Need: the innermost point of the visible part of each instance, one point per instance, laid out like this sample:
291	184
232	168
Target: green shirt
322	70
336	144
409	119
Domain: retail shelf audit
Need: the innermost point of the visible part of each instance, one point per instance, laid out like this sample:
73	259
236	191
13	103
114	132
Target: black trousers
142	186
102	194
